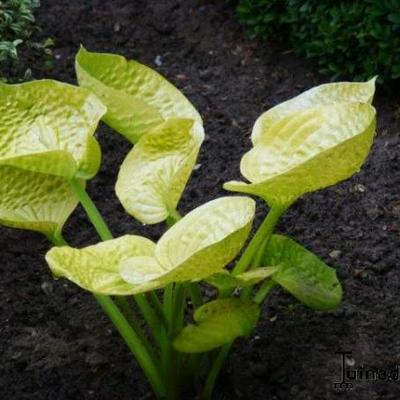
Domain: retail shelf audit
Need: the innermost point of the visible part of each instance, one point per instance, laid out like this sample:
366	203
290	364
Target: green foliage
303	274
17	26
356	39
217	323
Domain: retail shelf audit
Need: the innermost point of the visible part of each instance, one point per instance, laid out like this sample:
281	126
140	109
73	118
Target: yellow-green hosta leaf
137	97
96	268
310	150
199	245
141	270
339	92
224	280
47	126
34	201
205	240
303	274
217	323
154	174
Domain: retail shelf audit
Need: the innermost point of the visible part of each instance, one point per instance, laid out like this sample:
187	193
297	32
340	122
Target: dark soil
55	343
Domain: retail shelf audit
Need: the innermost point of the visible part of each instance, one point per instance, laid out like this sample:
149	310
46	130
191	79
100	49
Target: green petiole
136	342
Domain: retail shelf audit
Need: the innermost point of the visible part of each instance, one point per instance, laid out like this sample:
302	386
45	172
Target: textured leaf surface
224	280
140	270
137	97
218	322
206	239
154	174
34	201
354	92
310	150
303	274
96	268
199	245
47	126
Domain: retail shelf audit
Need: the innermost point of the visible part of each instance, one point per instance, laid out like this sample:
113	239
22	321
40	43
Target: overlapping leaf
154	174
48	126
307	151
339	92
199	245
34	201
217	323
303	274
96	268
137	97
46	135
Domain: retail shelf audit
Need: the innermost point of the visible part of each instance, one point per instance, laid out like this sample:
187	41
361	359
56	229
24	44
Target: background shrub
17	25
347	39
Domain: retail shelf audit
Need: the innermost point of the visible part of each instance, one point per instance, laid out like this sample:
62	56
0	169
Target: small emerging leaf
307	151
96	268
218	322
224	280
154	174
303	274
202	243
47	126
137	97
339	92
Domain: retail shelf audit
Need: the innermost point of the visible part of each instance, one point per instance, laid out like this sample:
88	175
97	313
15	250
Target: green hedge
349	39
20	40
16	25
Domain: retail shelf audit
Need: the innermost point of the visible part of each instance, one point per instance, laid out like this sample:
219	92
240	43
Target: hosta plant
152	291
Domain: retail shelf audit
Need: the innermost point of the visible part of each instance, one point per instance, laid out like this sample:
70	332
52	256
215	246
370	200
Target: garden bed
54	341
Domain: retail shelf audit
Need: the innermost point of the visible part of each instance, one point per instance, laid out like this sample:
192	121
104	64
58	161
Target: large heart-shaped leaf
199	245
303	274
218	322
34	201
96	268
339	92
308	150
137	97
154	174
47	126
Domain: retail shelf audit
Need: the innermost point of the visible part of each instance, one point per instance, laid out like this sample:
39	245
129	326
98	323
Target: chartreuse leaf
96	268
202	243
303	274
307	151
137	97
197	246
154	174
217	323
205	240
352	92
34	201
46	135
224	280
47	126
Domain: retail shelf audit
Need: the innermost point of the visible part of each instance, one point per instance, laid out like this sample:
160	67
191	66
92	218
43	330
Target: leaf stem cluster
164	366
